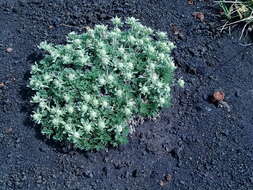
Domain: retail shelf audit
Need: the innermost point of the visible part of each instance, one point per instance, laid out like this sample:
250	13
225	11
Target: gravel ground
194	145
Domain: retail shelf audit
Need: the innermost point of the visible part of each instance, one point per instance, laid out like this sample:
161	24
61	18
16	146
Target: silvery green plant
89	89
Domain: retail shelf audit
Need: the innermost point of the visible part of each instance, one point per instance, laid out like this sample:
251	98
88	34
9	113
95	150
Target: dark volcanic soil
195	145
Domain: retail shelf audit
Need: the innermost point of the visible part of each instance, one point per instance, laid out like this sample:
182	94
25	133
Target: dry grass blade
237	12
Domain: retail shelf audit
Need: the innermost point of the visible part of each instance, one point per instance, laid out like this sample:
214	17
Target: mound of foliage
89	89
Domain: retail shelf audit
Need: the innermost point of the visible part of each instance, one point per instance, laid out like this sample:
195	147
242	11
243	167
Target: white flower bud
131	103
146	39
68	127
121	50
105	60
47	77
36	99
56	121
161	56
154	77
162	35
43	105
113	34
87	127
144	90
120	65
100	27
91	33
57	83
149	30
172	65
105	103
131	21
84	108
89	43
35	68
117	30
83	59
110	78
36	83
67	98
101	44
95	102
119	93
57	111
162	101
119	128
101	124
76	134
171	45
45	46
71	76
131	39
163	45
125	57
70	109
167	89
152	66
87	97
93	114
127	111
159	84
140	42
77	42
151	49
37	117
102	52
68	47
66	59
80	53
130	66
128	75
116	21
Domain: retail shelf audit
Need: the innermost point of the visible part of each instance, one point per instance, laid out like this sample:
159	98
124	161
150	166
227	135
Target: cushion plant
89	89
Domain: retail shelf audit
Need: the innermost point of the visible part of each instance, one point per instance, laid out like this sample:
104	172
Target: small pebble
218	96
9	50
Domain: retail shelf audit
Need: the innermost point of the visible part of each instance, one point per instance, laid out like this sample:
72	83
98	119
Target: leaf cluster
88	89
